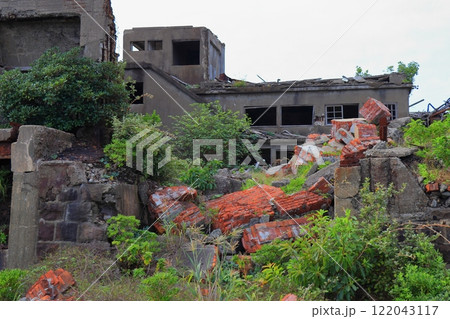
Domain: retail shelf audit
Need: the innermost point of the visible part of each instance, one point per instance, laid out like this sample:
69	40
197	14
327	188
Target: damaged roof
224	84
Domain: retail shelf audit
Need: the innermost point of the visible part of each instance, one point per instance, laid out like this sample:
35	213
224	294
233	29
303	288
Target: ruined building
29	27
184	65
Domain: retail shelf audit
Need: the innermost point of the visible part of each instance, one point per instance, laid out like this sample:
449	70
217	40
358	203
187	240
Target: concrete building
29	27
192	54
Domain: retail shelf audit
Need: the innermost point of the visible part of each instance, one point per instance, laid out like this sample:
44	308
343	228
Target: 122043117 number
411	310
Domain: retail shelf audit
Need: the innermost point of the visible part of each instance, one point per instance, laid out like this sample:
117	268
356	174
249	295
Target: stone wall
54	202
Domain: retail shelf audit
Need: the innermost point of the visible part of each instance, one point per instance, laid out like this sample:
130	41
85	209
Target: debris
433	187
342	135
373	110
322	186
260	234
52	286
290	297
365	130
300	203
237	209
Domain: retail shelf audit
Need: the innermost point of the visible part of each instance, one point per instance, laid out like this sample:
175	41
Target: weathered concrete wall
319	98
29	27
212	51
169	96
53	201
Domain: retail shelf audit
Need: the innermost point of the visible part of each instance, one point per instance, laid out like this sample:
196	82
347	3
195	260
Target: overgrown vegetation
434	147
12	286
210	121
409	70
64	91
202	177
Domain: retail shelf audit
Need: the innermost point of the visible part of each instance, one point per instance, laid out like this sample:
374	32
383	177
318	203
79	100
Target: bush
11	287
64	91
210	121
135	246
202	178
126	128
162	286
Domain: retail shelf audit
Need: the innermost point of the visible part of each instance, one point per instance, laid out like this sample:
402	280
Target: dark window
297	115
137	96
336	112
393	109
137	46
186	53
155	45
262	116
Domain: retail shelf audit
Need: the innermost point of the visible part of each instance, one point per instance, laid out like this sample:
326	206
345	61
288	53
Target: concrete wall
319	98
169	96
30	27
212	51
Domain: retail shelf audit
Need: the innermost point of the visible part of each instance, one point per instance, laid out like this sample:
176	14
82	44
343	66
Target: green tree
210	121
64	90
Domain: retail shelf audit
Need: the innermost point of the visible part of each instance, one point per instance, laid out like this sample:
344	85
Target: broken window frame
335	110
137	48
272	109
393	109
303	109
155	45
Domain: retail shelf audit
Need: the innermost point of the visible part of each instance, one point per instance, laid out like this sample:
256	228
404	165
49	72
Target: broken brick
354	151
365	130
373	110
52	286
290	297
300	203
174	204
433	187
257	235
345	124
342	135
237	209
322	186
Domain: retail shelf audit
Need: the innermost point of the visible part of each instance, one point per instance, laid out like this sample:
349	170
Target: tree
409	70
64	91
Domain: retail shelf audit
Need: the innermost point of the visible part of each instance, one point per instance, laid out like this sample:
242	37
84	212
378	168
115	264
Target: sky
304	39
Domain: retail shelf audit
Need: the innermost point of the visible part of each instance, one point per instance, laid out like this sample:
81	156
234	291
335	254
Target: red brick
290	297
173	204
237	209
300	203
260	234
52	286
432	187
345	124
373	110
322	186
365	130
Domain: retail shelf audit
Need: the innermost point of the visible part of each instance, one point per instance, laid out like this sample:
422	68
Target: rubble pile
53	285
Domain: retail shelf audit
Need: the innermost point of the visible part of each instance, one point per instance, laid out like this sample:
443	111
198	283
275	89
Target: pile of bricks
373	110
260	234
175	204
300	203
54	285
239	208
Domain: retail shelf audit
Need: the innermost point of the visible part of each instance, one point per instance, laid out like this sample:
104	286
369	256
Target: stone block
391	152
127	200
37	142
257	235
342	204
344	136
78	212
46	230
66	231
373	110
68	195
327	173
347	181
89	232
5	134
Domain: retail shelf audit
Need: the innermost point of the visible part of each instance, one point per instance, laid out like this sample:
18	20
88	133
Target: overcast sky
303	39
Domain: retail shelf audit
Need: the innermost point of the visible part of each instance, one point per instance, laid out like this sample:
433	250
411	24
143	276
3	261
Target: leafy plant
296	184
11	286
162	286
210	121
135	246
64	90
202	178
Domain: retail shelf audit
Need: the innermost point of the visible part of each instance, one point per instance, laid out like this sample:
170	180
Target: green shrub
162	286
416	283
210	121
296	184
202	178
64	91
135	246
11	287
